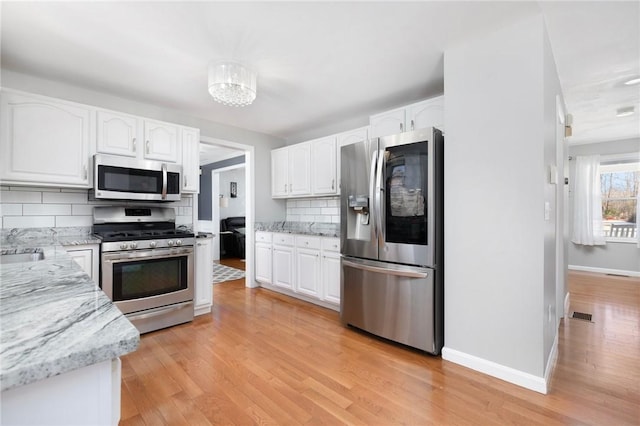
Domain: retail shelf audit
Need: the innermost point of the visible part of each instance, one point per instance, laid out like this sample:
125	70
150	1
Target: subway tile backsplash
39	207
319	210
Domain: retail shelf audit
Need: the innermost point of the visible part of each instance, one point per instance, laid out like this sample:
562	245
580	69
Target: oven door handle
146	254
164	181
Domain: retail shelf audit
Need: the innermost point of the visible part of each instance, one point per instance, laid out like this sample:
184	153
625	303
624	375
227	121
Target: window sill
621	240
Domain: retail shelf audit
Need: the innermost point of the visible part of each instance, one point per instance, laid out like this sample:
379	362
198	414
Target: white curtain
587	207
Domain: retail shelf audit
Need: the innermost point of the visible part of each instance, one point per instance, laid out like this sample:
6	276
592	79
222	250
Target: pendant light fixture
232	84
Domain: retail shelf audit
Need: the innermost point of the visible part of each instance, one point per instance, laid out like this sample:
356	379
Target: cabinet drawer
263	237
283	239
307	241
331	244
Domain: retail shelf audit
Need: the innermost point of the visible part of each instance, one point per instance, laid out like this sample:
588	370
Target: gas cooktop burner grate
142	235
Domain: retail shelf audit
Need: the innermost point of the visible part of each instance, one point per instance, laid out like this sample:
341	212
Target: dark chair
232	237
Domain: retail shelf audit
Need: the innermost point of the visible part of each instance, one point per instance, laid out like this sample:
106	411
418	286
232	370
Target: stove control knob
153	244
124	246
170	243
133	245
178	242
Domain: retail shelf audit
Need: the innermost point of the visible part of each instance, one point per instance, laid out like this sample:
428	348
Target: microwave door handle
164	181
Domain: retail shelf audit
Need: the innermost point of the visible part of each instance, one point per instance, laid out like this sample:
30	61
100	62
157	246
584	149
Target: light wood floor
263	358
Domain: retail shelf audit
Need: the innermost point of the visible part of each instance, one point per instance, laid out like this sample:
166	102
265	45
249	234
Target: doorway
214	150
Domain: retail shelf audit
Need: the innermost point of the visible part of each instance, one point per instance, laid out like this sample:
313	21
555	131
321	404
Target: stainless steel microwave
123	178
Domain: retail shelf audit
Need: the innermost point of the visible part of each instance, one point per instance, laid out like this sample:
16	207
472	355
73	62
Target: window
619	182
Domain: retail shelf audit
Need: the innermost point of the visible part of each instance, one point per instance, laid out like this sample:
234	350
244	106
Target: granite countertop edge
54	318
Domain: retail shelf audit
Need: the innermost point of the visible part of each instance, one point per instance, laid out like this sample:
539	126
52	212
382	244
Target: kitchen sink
22	257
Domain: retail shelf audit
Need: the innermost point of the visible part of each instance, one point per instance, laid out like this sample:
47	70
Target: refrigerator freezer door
357	210
391	301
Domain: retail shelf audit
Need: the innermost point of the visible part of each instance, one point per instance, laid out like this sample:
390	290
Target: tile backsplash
41	207
325	210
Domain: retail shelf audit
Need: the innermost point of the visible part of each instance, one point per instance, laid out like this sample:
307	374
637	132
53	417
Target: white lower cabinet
330	262
283	261
86	396
263	257
203	297
308	265
305	266
87	256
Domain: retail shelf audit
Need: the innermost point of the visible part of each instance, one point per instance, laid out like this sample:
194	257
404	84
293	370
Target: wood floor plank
264	358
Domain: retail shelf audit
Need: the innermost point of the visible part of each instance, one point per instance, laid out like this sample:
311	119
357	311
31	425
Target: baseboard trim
604	270
508	374
551	363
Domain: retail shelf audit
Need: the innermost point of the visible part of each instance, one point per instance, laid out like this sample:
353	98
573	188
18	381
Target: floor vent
618	275
581	316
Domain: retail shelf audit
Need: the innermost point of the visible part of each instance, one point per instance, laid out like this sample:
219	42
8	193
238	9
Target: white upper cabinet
323	165
280	172
290	171
131	136
388	123
118	134
160	141
299	169
45	141
427	113
190	160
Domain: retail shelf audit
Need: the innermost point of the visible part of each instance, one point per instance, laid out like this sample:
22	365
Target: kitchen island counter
54	318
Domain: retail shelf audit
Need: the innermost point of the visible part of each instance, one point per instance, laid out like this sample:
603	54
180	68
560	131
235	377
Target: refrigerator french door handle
400	273
372	194
379	195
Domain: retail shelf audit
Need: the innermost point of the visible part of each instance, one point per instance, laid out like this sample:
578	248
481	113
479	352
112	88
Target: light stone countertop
53	318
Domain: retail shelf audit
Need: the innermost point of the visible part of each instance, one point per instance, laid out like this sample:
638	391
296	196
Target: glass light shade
232	84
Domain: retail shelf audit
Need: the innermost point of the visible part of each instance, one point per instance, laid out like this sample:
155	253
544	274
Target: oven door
147	279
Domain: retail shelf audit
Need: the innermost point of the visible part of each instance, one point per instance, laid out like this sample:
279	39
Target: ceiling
319	64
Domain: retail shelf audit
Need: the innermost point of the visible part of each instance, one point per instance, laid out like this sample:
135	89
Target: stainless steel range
146	265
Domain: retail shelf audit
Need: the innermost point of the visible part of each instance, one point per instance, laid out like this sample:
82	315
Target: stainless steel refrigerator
391	219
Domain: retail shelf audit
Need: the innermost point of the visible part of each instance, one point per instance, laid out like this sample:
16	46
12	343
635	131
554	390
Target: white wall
498	252
266	209
614	257
237	205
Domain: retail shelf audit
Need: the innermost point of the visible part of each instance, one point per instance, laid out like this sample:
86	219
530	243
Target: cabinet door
308	275
280	172
323	157
348	138
203	297
87	257
160	141
429	113
190	160
263	262
45	141
299	169
387	123
331	277
283	267
118	133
